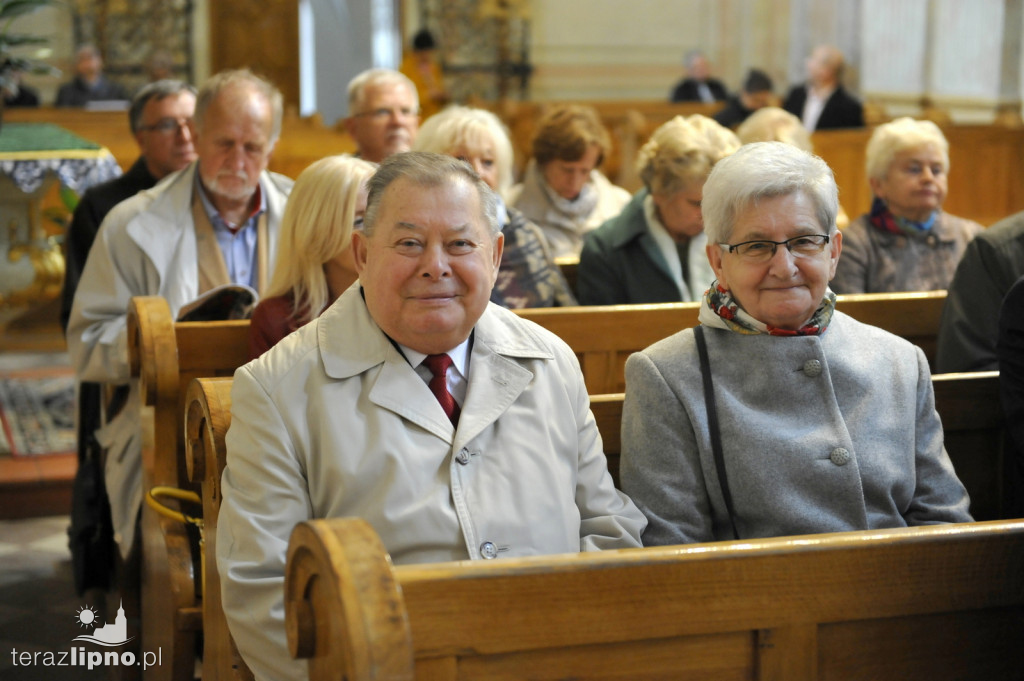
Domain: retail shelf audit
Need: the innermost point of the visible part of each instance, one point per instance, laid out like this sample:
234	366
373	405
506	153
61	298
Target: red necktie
438	365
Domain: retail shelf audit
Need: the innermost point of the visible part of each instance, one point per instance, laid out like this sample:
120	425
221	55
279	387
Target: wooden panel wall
263	36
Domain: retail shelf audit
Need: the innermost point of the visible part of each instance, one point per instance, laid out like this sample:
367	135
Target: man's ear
359	248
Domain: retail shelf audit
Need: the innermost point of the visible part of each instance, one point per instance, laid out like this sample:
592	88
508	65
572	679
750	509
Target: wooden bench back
972	422
604	336
937	602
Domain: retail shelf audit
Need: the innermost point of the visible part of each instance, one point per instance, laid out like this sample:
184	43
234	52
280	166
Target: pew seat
935	603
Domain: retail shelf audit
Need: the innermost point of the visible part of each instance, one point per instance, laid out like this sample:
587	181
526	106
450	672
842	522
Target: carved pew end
354	554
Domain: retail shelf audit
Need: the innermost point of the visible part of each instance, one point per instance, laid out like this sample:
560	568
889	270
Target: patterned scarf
720	310
883	220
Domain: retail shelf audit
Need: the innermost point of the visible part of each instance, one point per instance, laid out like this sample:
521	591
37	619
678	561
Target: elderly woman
528	276
562	192
780	415
906	242
314	258
653	252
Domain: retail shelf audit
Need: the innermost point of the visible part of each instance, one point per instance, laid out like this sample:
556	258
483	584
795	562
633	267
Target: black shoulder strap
716	439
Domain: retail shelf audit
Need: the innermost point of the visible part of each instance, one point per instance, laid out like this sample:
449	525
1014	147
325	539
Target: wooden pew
164	357
207	417
604	336
972	422
968	404
935	603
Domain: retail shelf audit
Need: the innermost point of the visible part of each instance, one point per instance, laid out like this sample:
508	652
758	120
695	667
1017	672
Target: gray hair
428	169
763	170
218	83
154	91
357	86
900	135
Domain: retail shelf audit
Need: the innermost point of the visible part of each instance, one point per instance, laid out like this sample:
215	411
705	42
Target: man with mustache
458	430
214	222
383	113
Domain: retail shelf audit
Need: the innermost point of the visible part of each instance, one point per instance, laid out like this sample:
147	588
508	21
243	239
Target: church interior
958	64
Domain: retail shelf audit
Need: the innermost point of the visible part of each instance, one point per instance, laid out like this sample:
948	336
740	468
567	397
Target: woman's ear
714	253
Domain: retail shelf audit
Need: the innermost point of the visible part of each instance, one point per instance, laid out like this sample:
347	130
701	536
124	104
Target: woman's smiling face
785	290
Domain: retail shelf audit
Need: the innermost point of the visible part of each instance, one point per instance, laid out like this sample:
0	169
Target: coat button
488	550
812	368
840	456
462	457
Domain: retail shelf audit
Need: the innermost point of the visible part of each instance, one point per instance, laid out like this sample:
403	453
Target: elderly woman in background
653	252
808	421
562	192
772	124
528	275
314	258
906	242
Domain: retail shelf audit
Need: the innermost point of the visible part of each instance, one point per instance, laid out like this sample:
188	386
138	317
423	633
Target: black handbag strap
716	438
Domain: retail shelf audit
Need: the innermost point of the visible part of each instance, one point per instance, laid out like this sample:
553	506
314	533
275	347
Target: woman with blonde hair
527	276
653	251
314	257
563	192
906	242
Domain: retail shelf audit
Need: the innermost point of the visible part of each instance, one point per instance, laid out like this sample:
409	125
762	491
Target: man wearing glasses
158	117
383	113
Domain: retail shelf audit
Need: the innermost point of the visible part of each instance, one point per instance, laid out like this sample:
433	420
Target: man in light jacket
213	222
455	428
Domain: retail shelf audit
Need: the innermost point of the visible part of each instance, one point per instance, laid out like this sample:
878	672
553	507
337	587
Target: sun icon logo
87	616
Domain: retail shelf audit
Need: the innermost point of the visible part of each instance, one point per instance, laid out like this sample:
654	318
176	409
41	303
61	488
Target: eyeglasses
763	250
167	126
384	112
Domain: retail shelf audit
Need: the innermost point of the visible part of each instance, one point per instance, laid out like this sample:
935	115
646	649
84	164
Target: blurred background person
314	255
822	102
16	93
383	113
527	275
653	251
89	83
772	124
755	94
563	192
906	242
698	85
423	68
814	422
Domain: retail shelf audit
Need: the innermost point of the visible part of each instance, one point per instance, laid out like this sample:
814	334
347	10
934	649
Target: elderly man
822	102
458	430
383	112
89	83
214	222
159	119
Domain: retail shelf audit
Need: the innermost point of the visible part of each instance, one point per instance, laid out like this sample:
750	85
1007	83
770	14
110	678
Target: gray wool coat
820	434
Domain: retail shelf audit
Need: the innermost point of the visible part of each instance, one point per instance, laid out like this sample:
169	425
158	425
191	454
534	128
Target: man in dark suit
698	86
158	117
89	83
822	103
